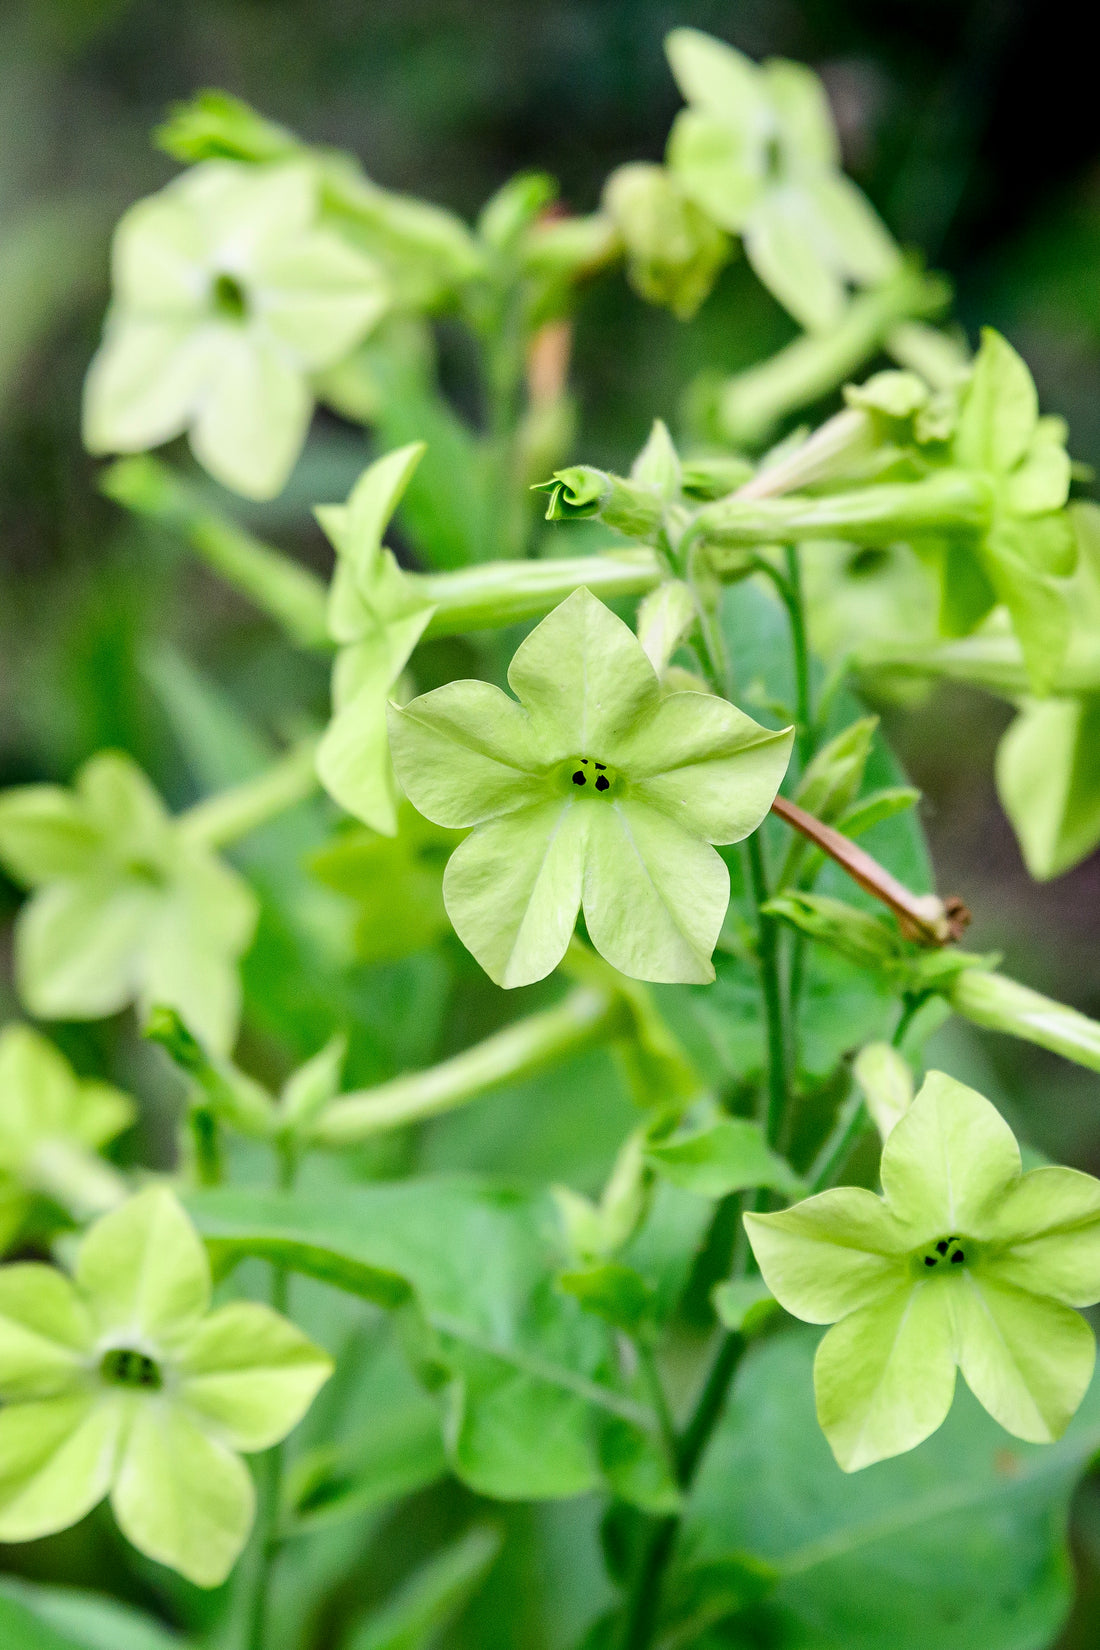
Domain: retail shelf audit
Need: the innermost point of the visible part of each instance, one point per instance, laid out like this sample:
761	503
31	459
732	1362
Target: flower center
123	1366
946	1253
585	775
229	298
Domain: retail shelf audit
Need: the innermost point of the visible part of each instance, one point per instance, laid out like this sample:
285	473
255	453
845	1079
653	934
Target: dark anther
600	766
584	761
930	1260
942	1246
578	778
603	783
957	1258
122	1366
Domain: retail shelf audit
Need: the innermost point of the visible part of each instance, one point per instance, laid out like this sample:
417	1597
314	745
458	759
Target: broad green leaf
67	1618
727	1156
961	1542
530	1371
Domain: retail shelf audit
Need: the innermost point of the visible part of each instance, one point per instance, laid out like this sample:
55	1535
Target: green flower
376	616
593	791
123	1382
674	252
52	1123
228	296
964	1263
1029	544
125	906
758	152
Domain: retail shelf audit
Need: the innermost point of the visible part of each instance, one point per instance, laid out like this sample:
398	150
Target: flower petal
583	676
180	1497
45	1330
158	257
513	889
464	754
254	418
1027	1361
145	381
144	1270
654	896
831	1254
120	801
884	1376
1050	1225
57	1458
242	207
1000	410
860	243
203	926
353	759
318	296
78	946
783	250
949	1161
44	834
709	766
251	1373
803	112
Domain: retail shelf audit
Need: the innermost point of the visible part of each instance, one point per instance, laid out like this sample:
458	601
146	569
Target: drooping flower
965	1263
758	151
125	905
122	1382
228	295
593	791
52	1124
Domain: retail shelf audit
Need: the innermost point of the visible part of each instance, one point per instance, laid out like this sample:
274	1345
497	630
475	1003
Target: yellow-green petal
884	1377
180	1497
250	1375
144	1271
949	1161
465	753
46	1333
1046	1236
1028	1361
830	1254
57	1459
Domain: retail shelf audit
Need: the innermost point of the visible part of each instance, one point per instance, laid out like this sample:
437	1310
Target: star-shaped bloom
126	906
122	1382
757	150
965	1263
228	295
52	1123
593	791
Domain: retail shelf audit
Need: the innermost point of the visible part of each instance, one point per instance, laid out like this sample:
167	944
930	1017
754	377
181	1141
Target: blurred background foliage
970	125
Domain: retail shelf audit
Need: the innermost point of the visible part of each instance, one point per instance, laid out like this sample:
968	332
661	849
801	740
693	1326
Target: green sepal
726	1156
613	1292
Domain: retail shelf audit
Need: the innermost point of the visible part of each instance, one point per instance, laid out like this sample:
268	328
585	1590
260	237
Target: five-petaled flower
125	905
123	1382
228	295
966	1262
758	151
594	791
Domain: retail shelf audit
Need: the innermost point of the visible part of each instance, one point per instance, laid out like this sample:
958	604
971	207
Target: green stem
648	1363
504	592
755	402
269	1468
851	1122
581	1020
772	990
951	501
806	732
235	813
291	595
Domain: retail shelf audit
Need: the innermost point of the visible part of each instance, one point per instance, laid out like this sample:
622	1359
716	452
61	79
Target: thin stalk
291	595
269	1468
503	592
800	649
235	813
647	1362
851	1122
775	1105
755	402
581	1020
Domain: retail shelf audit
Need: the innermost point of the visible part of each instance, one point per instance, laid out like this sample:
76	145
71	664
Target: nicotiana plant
628	754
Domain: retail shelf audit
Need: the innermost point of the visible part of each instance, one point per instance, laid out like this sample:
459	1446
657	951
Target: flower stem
800	650
235	813
772	990
581	1019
